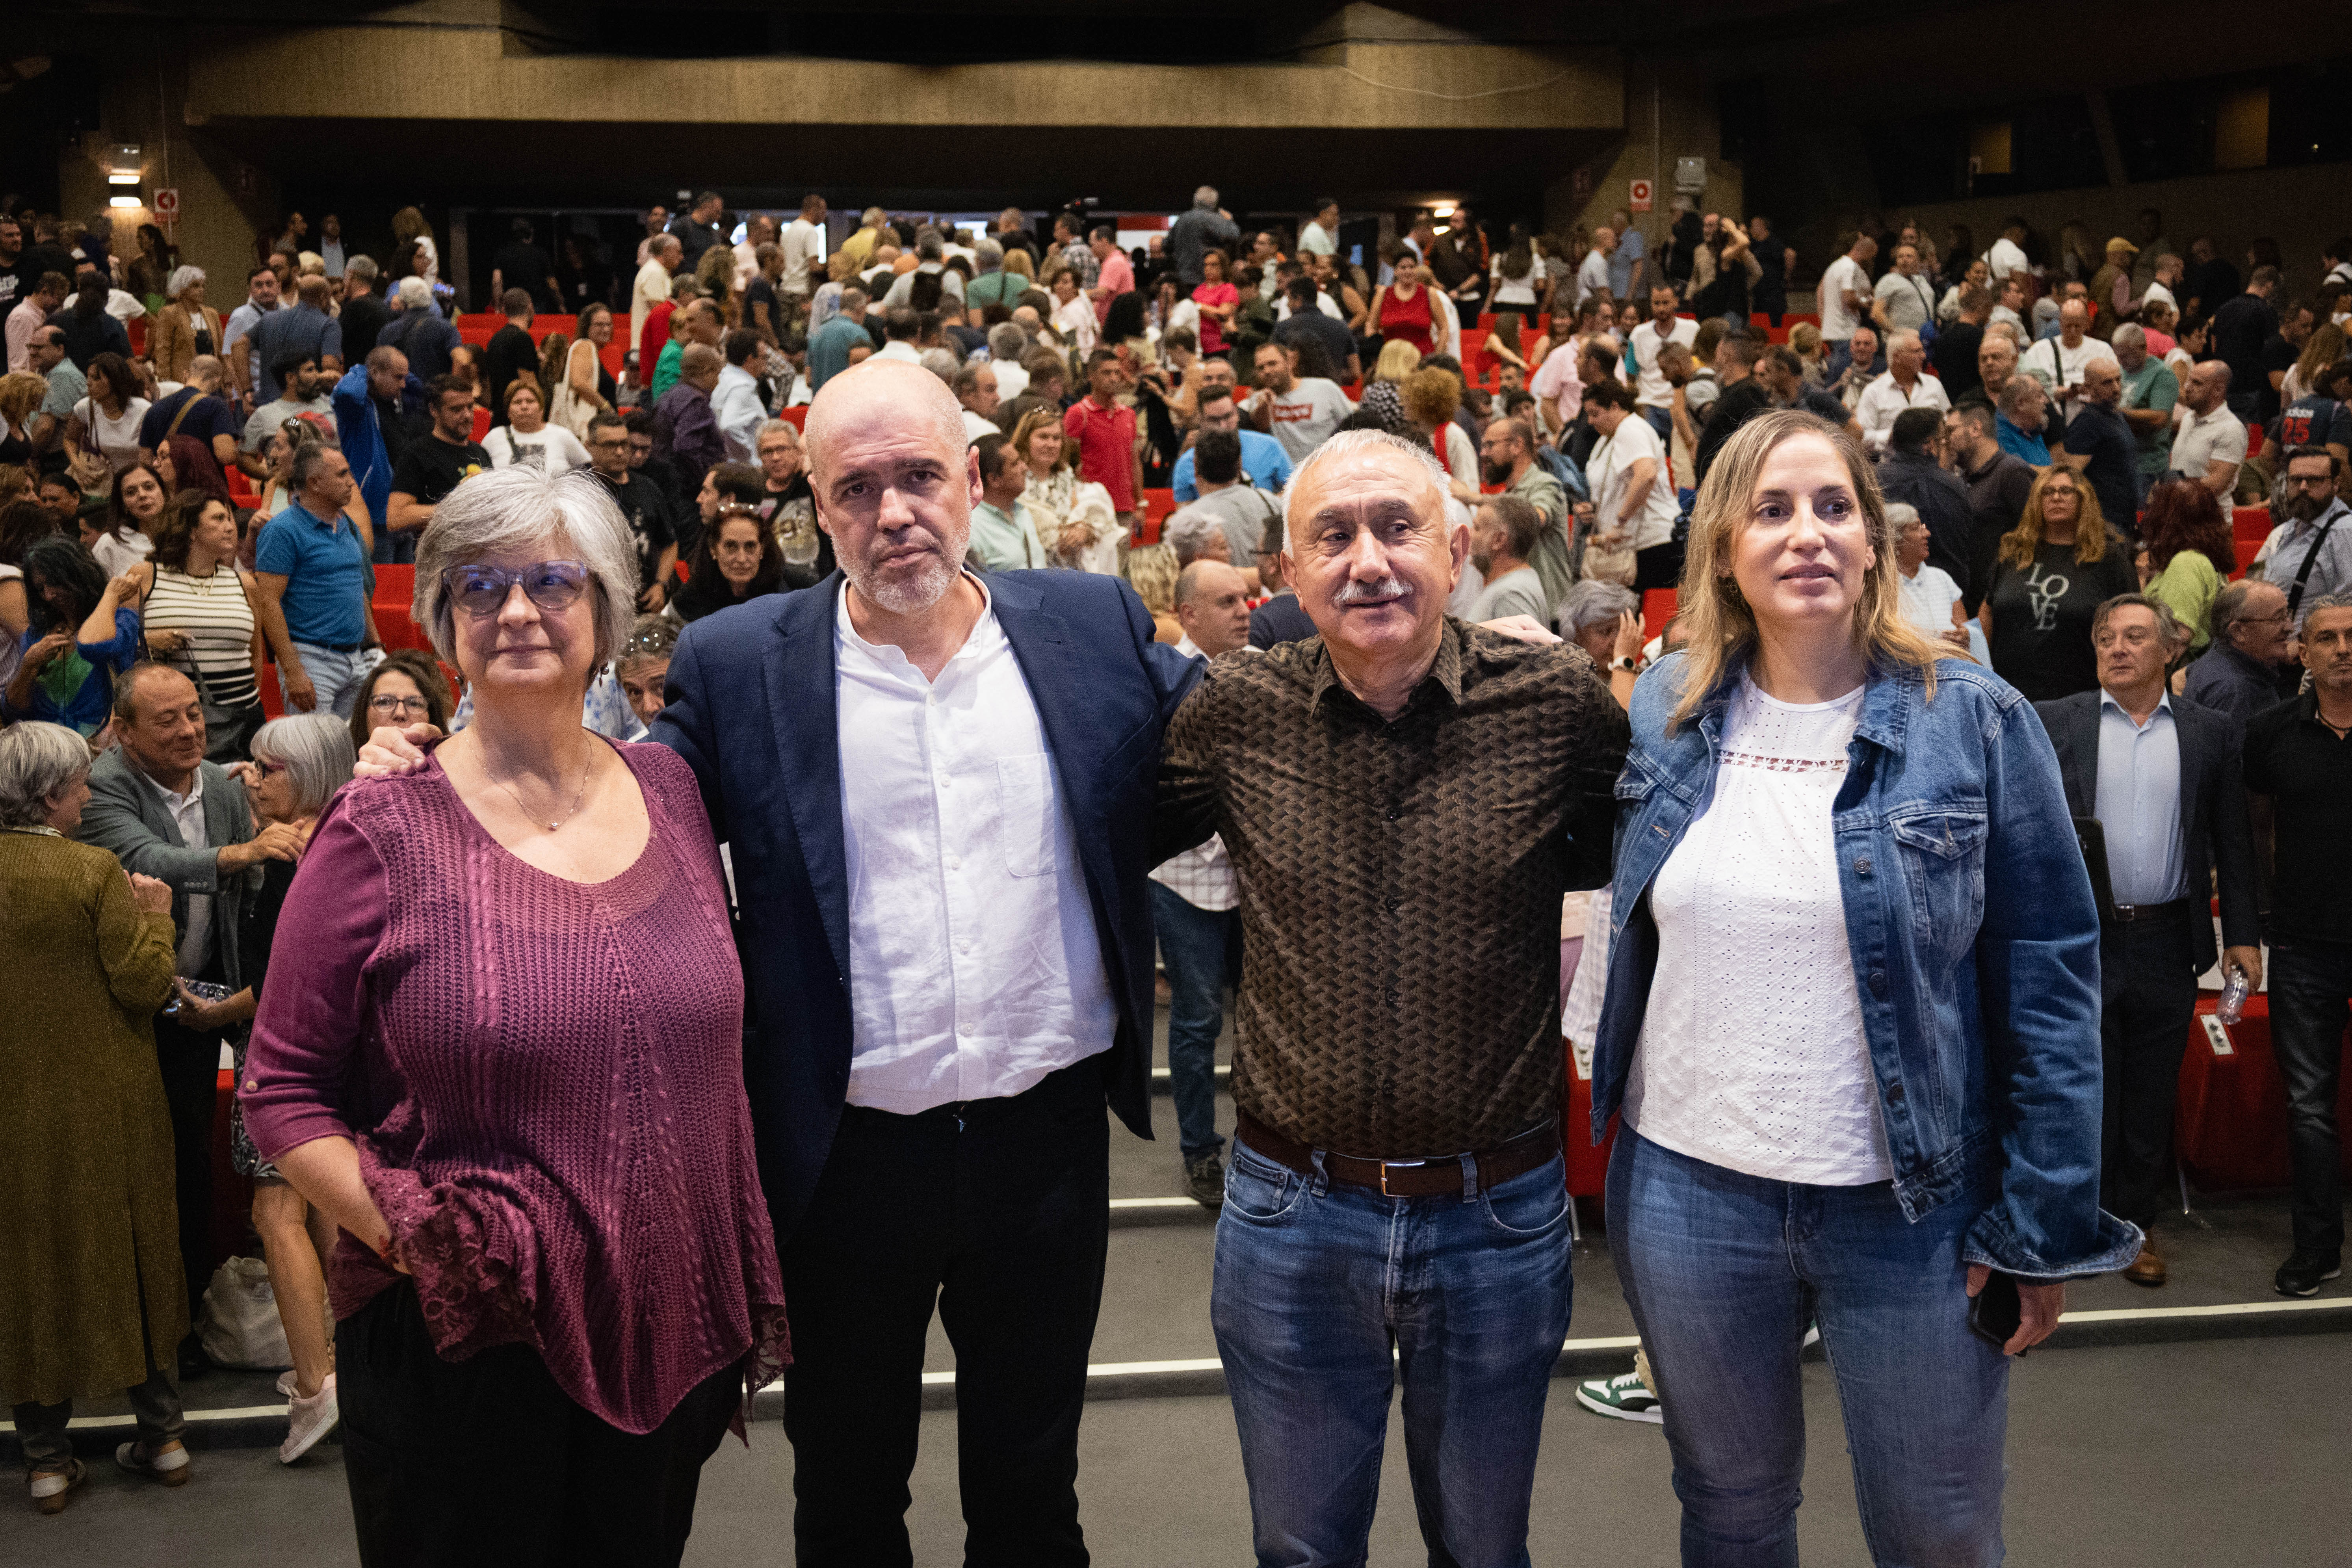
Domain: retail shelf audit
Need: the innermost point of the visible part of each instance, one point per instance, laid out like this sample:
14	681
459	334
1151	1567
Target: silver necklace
554	824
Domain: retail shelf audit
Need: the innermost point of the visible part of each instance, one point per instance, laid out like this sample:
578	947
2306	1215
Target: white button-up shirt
974	966
187	813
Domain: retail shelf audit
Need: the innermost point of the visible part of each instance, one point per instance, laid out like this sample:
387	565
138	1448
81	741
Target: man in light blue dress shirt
2161	775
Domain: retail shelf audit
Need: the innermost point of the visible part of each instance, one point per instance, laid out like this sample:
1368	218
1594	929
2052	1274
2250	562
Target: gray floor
2228	1452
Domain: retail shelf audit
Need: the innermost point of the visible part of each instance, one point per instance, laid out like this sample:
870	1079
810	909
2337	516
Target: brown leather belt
1440	1178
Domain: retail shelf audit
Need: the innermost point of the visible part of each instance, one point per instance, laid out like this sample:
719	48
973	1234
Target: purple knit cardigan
545	1082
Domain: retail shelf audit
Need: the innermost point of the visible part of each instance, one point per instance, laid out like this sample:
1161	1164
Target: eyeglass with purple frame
481	590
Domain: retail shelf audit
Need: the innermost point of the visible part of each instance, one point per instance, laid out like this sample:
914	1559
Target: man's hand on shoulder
392	751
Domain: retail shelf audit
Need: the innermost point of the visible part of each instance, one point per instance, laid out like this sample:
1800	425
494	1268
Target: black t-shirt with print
431	468
2041	632
792	512
646	509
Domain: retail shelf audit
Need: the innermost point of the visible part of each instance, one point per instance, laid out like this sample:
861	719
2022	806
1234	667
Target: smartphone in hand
1996	1312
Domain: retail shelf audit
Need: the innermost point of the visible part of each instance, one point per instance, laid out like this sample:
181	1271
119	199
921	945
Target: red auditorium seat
1157	505
2230	1122
1658	609
395	589
796	417
2251	525
481	422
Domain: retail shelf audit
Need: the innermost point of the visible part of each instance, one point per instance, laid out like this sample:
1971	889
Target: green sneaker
1626	1398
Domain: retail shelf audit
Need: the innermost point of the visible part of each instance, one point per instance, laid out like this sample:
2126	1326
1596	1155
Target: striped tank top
213	611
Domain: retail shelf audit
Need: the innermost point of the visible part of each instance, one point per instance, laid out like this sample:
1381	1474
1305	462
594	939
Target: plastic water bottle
2233	997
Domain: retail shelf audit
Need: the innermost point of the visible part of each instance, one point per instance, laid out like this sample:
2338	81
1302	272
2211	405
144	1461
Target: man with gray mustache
1404	799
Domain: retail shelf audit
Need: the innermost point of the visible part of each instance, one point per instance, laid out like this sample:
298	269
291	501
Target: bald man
938	789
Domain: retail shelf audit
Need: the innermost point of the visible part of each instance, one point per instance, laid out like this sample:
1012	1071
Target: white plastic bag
239	1324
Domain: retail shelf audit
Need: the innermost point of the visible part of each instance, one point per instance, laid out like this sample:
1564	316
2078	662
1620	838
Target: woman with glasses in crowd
556	1282
94	1302
406	689
1851	1022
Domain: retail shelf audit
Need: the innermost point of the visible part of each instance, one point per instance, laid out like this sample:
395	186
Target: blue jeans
335	676
1316	1283
1723	1271
1202	950
394	548
1661	420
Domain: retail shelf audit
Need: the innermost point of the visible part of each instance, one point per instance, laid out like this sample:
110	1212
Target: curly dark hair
62	562
178	525
2182	514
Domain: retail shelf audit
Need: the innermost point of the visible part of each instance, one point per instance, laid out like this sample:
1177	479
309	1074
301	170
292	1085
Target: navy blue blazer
750	704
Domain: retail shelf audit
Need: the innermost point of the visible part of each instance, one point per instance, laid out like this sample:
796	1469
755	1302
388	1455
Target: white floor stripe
2221	1310
1153	1203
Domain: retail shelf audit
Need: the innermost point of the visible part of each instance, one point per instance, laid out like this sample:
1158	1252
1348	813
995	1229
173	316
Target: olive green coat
87	1216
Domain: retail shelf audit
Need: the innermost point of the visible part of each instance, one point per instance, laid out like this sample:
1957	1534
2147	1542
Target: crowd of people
599	1054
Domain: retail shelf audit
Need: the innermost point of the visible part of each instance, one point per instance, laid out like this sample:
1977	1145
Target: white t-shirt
1650	388
2203	439
117	551
1592	275
2005	257
803	243
550	448
1752	1054
1846	275
1928	599
1323	303
117	439
1611	466
1306	415
2051	358
1314	241
1521	292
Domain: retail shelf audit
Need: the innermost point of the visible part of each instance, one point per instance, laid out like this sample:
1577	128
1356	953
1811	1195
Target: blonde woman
1151	572
1852	1022
1075	517
2053	571
1384	396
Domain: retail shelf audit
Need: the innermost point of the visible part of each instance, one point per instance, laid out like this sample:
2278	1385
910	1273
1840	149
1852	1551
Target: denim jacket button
1862	866
1878	982
1895	1094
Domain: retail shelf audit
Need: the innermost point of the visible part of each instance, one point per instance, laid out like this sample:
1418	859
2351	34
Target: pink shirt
545	1082
1117	276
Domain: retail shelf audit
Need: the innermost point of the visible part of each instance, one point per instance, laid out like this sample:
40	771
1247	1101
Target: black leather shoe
2302	1274
1204	1180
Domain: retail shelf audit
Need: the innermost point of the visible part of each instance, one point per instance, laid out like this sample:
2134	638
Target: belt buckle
1388	1166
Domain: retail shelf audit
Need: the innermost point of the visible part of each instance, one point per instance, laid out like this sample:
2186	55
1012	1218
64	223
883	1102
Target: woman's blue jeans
1723	1271
1327	1295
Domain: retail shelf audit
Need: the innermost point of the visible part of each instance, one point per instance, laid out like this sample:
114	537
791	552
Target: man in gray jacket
166	813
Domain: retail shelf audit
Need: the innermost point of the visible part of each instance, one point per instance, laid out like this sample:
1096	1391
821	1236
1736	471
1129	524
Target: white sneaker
307	1420
286	1383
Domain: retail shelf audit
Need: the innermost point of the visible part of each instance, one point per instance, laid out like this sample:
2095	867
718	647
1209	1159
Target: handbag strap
185	404
2295	595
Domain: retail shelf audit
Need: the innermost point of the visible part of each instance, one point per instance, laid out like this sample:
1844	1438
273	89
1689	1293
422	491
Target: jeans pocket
1258	1190
1528	1204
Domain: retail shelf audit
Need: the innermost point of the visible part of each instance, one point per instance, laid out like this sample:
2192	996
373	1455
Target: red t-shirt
655	338
1106	438
1213	331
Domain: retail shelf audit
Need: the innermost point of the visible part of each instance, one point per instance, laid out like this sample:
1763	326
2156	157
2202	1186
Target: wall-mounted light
122	164
123	202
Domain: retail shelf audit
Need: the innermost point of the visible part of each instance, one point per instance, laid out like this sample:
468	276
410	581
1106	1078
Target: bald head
1213	607
883	390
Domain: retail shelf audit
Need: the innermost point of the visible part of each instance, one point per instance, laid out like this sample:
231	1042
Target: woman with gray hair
185	329
509	1068
89	1244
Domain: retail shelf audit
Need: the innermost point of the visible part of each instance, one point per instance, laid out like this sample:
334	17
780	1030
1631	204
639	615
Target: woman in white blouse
527	440
1852	1025
106	422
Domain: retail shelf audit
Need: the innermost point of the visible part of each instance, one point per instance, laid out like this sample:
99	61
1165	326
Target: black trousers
486	1461
2311	1000
2148	973
997	1211
191	1068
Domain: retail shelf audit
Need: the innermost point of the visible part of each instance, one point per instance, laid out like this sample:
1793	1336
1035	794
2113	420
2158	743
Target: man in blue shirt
2016	421
829	345
305	329
310	564
1263	463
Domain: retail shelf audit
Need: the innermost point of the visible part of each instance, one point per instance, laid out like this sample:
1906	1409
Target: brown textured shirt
1400	881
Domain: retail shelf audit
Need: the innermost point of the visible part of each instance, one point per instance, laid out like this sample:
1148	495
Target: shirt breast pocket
1027	808
1943	850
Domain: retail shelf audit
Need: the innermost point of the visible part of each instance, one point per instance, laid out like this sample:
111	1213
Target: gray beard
908	598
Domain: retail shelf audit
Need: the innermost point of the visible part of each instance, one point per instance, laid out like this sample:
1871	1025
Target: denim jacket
1976	950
